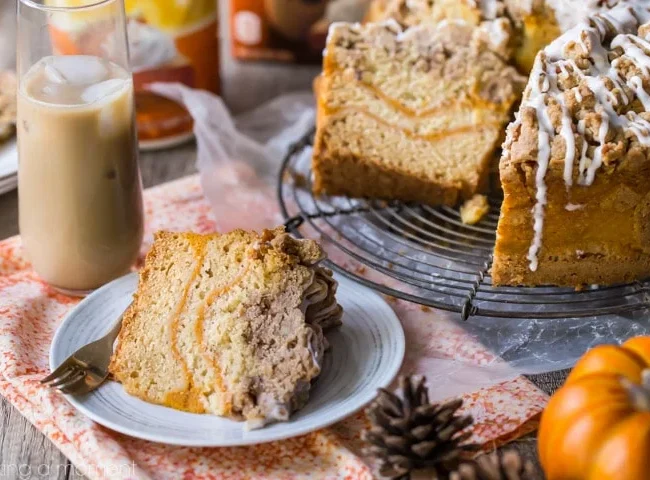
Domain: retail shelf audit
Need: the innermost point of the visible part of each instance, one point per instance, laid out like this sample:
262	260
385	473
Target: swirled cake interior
414	115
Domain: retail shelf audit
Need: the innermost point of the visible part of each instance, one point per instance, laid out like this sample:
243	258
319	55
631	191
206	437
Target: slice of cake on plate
576	164
414	115
228	324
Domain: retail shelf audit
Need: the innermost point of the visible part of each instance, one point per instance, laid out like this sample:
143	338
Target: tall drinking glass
79	187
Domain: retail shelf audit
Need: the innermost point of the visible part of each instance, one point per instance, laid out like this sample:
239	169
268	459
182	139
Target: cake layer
413	115
436	120
348	160
227	324
597	234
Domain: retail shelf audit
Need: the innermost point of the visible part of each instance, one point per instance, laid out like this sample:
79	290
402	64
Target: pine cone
410	433
493	466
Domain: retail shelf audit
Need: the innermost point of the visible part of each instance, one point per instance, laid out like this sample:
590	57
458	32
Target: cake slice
414	115
576	161
228	324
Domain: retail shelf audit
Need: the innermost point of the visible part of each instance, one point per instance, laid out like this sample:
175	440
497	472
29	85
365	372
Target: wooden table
23	445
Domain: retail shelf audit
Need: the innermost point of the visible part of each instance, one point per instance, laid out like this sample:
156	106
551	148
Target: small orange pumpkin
597	426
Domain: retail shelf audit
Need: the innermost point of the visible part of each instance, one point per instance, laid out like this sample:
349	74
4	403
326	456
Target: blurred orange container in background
169	41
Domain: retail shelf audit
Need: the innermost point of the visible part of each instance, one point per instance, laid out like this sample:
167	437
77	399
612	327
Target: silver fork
87	368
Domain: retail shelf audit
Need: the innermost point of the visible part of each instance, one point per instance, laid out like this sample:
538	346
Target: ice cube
77	69
50	90
53	76
107	122
101	90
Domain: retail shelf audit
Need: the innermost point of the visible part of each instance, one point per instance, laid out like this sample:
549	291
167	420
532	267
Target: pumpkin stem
639	394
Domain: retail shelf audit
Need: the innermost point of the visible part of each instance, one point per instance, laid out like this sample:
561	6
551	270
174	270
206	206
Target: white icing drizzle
598	76
540	196
640	128
489	9
597	161
584	159
567	133
497	33
629	45
569	13
637	85
572	207
577	94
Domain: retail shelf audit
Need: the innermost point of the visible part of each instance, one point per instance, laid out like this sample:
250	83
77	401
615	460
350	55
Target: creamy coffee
80	200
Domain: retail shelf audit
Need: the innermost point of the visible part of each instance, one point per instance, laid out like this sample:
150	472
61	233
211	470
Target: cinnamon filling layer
321	312
333	114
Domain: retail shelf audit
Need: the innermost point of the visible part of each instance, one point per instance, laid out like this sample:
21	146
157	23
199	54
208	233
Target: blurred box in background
287	30
7	34
169	41
178	40
270	47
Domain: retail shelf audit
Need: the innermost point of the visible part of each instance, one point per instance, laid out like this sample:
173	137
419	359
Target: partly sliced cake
414	115
576	164
228	324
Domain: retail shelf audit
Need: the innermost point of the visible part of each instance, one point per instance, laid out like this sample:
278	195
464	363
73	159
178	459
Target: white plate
367	352
166	142
8	165
8	184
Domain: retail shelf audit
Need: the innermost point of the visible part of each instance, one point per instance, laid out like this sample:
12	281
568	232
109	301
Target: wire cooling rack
427	255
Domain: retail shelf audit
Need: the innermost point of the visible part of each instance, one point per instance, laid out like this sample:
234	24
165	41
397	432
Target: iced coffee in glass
79	187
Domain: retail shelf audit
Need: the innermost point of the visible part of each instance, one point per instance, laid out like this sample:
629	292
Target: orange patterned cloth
30	312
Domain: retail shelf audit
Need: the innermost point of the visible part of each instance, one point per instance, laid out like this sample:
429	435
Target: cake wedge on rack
414	115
